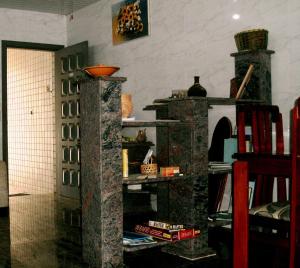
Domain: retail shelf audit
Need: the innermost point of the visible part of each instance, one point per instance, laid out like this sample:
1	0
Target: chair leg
240	214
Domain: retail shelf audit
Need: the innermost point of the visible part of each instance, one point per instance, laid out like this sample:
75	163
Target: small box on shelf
169	171
165	234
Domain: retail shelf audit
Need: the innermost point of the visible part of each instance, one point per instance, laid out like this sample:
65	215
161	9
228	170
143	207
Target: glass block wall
31	121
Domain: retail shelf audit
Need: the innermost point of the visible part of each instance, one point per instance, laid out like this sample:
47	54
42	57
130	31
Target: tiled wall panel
31	121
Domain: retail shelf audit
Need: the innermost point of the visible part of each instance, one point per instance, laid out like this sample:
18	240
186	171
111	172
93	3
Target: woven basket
149	169
251	40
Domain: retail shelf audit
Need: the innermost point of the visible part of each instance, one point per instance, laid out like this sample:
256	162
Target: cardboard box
169	235
169	171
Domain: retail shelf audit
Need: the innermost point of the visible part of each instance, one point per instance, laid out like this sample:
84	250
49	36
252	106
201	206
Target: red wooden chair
267	164
260	119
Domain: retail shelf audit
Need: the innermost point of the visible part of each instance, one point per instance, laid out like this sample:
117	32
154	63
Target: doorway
29	136
30	121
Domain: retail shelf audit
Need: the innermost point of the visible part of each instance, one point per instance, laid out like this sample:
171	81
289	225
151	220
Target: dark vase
197	90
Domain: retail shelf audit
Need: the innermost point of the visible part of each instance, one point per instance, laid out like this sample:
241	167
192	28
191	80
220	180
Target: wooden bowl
101	70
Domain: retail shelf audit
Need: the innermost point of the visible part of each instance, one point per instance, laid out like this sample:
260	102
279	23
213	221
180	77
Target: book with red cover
169	235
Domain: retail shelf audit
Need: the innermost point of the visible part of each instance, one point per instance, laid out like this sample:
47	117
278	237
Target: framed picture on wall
129	20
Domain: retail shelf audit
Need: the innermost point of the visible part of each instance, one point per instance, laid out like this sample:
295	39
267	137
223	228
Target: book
251	192
135	239
224	205
165	225
215	164
169	235
230	148
221	190
169	171
220	216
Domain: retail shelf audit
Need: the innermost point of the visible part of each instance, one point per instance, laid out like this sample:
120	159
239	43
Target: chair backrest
280	165
261	118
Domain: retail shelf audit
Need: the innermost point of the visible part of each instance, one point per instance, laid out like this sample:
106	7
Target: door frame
5	44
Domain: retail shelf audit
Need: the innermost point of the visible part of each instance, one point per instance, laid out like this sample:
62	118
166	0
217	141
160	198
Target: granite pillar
259	86
188	198
101	192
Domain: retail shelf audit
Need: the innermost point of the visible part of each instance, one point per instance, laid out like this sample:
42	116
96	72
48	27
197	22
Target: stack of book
219	165
167	231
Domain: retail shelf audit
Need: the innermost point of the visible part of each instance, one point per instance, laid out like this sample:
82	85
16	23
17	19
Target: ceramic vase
126	103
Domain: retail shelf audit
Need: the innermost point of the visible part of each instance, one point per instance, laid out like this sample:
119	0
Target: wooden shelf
133	179
154	123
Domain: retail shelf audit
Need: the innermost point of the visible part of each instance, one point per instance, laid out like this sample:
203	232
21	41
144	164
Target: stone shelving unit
133	179
155	123
182	140
185	145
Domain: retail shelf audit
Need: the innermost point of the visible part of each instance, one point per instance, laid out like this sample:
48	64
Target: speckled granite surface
184	144
188	142
259	87
102	210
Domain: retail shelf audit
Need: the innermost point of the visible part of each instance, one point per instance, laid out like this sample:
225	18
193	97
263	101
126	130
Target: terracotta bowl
101	70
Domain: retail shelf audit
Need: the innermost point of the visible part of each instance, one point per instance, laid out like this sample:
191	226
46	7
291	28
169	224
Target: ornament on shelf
127	107
197	90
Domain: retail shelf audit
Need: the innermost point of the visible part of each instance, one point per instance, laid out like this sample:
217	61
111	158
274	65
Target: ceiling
63	7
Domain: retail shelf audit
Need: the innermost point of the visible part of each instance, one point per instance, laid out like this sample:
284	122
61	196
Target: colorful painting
129	20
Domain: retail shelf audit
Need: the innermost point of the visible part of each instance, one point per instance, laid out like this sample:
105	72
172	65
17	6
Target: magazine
135	239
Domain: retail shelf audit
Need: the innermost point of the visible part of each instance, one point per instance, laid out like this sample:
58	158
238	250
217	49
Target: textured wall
191	37
27	26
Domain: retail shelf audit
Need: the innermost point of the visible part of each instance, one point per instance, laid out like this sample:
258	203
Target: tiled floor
42	232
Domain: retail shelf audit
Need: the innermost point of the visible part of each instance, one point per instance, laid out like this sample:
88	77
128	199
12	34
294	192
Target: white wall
191	37
28	26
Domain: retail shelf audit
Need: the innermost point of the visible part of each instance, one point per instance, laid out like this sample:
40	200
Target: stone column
101	172
188	198
259	87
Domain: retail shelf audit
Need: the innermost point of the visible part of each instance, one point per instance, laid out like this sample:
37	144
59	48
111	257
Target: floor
40	232
44	232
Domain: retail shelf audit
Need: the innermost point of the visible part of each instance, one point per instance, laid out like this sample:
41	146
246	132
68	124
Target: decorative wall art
129	20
